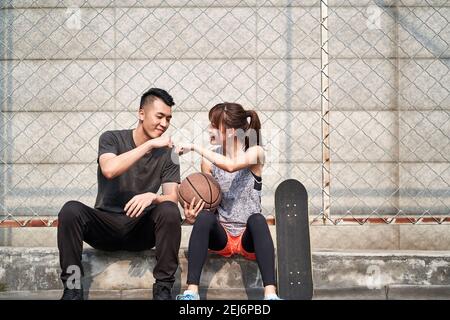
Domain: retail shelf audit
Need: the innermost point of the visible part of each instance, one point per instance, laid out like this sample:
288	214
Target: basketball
201	186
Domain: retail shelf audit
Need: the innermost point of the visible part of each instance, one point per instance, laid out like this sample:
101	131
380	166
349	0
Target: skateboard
294	266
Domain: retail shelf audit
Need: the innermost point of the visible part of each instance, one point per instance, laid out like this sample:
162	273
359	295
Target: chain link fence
390	100
353	96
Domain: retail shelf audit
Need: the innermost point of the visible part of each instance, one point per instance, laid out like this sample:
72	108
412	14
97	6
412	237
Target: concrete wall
61	86
368	237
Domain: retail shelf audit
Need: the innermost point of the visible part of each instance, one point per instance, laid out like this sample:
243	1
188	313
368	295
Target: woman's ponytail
253	137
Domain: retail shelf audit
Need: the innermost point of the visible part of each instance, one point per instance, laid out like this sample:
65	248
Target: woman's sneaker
272	296
188	295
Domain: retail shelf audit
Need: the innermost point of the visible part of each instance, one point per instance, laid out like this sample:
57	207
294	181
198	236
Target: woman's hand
191	212
184	148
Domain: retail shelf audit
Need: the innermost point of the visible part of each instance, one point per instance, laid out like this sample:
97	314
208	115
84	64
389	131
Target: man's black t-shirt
146	175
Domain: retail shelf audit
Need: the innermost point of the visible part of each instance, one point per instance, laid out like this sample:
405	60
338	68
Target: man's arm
139	202
113	165
169	190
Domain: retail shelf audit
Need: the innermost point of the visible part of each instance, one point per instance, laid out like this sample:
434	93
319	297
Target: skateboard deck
294	266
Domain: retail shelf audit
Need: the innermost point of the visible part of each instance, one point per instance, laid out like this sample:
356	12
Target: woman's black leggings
209	233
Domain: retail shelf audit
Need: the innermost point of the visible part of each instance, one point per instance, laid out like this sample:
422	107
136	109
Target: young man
128	214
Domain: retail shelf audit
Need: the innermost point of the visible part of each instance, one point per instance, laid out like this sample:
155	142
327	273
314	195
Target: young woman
237	227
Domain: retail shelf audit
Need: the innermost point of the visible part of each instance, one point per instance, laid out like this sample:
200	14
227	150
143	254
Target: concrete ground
399	292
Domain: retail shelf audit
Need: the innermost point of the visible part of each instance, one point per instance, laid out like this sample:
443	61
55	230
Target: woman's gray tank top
241	197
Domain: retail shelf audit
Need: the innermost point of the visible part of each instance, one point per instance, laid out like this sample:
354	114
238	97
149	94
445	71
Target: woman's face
219	136
215	136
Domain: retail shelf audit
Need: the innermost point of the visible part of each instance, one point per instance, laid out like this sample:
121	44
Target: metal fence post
325	111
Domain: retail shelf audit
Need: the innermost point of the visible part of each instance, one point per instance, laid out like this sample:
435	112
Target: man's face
155	118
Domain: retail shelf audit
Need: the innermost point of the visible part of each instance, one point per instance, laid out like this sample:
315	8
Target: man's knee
169	213
70	211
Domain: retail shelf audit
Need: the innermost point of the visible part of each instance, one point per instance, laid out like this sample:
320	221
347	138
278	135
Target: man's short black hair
155	93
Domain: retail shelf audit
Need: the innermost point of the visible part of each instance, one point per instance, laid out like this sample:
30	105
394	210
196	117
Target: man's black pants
158	227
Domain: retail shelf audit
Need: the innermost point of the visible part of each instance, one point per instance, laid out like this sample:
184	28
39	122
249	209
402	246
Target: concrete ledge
404	292
34	269
128	275
350	294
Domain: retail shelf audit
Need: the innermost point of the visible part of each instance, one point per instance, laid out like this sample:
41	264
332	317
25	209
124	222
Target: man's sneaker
162	291
72	294
188	295
272	296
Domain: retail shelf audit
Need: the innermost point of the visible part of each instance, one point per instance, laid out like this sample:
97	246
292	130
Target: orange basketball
201	186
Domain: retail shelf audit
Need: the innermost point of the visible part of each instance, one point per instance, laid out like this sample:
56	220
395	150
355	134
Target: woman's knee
256	219
205	218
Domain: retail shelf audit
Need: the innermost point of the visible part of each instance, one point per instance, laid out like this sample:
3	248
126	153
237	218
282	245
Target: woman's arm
253	156
206	166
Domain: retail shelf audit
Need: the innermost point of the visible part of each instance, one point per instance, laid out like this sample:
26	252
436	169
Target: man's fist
161	142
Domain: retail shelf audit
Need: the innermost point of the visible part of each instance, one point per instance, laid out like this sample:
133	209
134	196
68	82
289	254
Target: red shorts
234	246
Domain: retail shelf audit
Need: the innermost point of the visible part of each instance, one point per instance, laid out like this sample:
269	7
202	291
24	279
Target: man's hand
191	212
138	203
184	148
161	142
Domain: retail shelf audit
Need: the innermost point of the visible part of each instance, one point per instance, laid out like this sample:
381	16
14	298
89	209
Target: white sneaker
188	295
272	296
